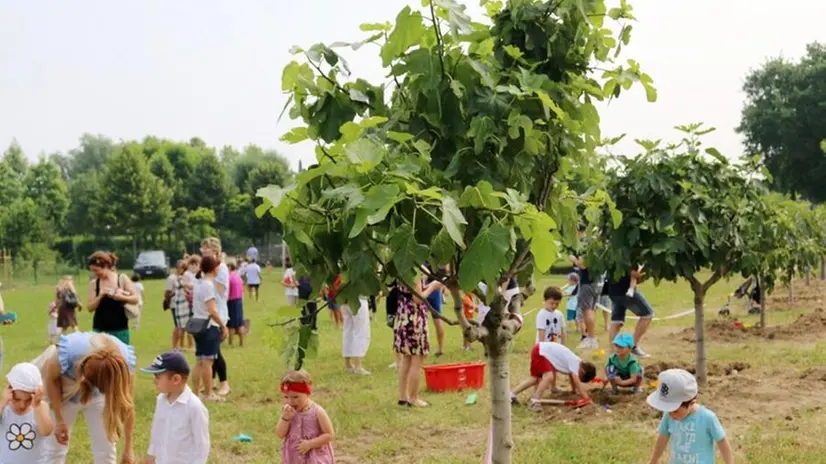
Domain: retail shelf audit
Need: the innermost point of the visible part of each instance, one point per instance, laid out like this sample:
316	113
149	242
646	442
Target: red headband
296	387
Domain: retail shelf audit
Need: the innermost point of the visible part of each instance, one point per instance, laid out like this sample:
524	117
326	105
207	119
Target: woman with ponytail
109	293
90	373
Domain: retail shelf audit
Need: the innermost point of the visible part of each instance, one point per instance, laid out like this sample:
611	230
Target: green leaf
442	248
350	131
379	195
423	148
372	121
543	243
486	256
295	135
513	52
615	13
262	209
546	100
453	219
359	96
271	193
479	196
366	153
369	27
717	155
360	222
650	92
408	32
349	192
400	137
407	253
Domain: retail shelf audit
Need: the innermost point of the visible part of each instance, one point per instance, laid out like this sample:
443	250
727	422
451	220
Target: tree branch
439	43
517	262
335	84
695	284
718	274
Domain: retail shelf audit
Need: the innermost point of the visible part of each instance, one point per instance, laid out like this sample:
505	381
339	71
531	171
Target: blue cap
171	361
624	340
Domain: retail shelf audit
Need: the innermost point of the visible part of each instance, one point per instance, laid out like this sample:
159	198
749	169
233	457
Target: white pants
103	451
356	334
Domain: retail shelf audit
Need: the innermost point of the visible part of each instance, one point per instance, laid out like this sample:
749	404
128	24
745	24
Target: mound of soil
804	325
725	330
714	369
722	329
814	374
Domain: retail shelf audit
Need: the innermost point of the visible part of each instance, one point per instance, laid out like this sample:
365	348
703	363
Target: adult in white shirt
252	275
548	358
211	246
550	322
180	427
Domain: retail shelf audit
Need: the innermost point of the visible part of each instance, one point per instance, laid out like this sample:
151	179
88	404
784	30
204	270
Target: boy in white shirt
180	427
550	322
548	358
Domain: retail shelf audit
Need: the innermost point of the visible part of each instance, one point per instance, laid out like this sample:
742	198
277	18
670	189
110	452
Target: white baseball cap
676	386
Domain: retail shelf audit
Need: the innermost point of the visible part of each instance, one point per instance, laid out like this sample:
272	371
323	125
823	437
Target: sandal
419	404
404	403
215	398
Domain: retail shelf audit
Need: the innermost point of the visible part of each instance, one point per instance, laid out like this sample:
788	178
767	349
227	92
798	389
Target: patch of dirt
714	369
727	330
814	374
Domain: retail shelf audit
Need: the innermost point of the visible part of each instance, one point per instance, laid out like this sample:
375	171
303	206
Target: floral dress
305	426
410	326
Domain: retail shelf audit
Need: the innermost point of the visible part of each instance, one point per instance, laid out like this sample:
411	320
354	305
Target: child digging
622	369
691	429
180	427
304	426
24	416
548	358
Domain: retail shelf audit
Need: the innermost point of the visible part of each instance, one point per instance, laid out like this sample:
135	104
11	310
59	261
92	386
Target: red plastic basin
455	376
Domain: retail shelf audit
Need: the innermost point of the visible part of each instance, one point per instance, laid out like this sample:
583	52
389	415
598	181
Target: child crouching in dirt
692	429
622	369
548	358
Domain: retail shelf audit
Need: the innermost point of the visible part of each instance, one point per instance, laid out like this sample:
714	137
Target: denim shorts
637	304
207	343
612	372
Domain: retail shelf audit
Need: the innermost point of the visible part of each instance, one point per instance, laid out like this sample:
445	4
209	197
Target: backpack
69	299
305	288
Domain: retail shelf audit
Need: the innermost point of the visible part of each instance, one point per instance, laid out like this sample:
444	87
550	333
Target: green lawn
766	423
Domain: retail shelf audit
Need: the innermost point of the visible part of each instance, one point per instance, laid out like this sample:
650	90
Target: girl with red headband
304	426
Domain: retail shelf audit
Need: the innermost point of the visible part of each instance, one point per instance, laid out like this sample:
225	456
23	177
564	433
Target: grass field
770	406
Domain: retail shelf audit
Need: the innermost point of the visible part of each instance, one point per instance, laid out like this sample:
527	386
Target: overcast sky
212	69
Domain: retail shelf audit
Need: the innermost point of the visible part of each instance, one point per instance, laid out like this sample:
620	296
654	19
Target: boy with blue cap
623	369
180	427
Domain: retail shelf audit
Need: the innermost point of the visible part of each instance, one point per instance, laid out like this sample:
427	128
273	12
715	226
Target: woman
108	293
90	373
179	306
356	336
410	340
211	246
208	341
235	304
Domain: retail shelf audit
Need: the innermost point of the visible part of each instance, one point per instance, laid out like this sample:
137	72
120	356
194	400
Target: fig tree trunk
700	329
496	346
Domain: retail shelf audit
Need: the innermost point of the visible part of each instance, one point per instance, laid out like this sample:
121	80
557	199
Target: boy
692	429
180	428
570	291
24	417
622	368
470	308
550	323
548	358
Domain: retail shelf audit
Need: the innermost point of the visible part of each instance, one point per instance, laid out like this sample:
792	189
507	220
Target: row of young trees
482	152
154	192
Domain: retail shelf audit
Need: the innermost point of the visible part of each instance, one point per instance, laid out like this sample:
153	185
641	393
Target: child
622	368
692	429
548	358
469	306
67	304
24	418
570	292
180	427
304	426
482	295
139	288
550	323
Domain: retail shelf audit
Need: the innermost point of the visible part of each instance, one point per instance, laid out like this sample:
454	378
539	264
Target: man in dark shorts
637	304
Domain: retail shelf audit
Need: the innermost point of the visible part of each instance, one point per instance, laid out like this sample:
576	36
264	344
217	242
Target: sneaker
360	371
224	390
636	390
615	390
419	404
583	344
556	390
514	399
535	405
393	366
638	352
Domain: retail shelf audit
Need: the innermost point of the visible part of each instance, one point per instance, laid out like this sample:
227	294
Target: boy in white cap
691	428
25	418
180	428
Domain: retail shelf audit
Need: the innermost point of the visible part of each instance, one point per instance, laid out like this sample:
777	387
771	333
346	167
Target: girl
235	304
304	426
470	307
23	415
54	331
90	373
108	293
180	304
289	282
67	305
329	295
207	341
356	336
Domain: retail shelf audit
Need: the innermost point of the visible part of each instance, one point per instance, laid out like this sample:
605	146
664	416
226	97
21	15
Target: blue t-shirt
692	439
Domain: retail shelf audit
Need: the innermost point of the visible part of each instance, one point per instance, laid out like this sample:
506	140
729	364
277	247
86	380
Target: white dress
356	336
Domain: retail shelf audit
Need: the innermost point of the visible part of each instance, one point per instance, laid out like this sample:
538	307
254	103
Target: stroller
744	289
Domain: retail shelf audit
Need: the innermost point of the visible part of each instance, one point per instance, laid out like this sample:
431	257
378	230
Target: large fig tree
687	210
459	158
